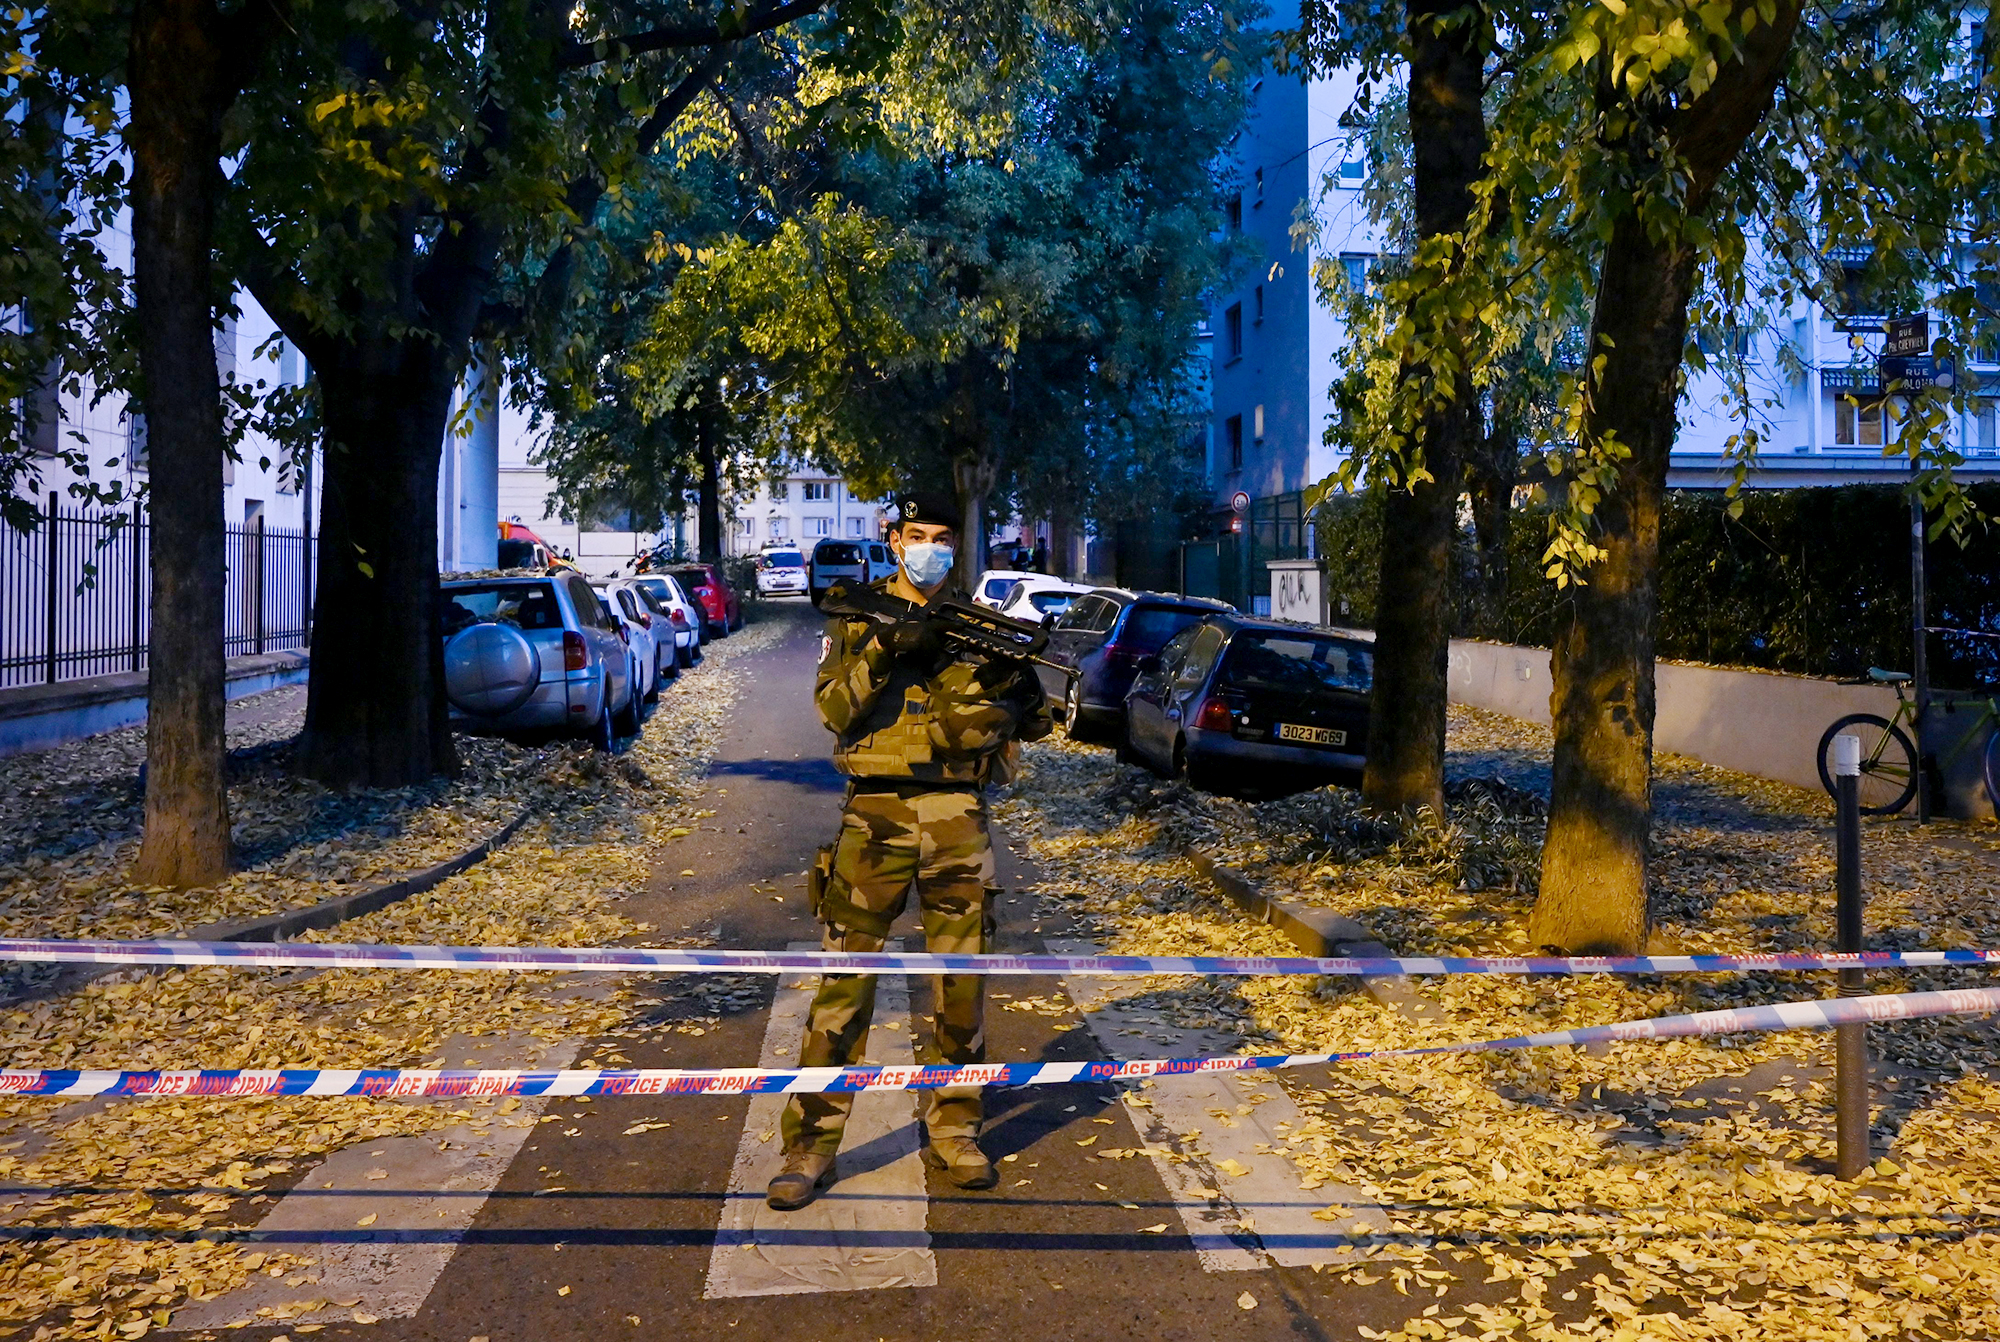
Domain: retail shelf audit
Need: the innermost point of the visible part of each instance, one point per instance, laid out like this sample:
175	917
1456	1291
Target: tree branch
576	54
282	295
248	34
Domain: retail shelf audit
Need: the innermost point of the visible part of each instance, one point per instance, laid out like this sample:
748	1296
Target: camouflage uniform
918	738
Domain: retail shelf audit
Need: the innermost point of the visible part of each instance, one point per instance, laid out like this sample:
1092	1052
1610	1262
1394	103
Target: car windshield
1299	663
1148	628
837	554
515	554
996	589
529	605
783	559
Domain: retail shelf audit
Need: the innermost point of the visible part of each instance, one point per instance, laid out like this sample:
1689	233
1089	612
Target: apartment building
802	506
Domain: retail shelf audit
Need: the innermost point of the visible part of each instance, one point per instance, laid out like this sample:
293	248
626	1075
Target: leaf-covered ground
1649	1189
113	1213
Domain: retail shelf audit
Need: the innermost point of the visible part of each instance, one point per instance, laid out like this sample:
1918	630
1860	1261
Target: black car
1253	705
1104	636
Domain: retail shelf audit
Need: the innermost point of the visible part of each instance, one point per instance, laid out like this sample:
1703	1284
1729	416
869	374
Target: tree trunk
1593	889
1405	765
179	88
375	708
710	520
1491	475
973	474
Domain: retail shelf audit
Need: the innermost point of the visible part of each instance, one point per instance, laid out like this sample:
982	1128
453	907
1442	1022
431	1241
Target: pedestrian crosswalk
865	1233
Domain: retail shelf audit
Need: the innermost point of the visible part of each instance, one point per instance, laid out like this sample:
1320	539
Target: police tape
640	959
408	1083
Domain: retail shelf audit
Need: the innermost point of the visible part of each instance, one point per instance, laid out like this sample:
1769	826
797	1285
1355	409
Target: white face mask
927	563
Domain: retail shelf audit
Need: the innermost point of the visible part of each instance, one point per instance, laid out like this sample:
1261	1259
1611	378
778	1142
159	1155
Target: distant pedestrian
920	729
1039	562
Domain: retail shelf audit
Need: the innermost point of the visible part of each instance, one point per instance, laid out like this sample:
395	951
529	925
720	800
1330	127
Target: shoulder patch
825	645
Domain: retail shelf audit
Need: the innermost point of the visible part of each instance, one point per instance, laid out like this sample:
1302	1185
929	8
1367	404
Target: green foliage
1811	581
1005	303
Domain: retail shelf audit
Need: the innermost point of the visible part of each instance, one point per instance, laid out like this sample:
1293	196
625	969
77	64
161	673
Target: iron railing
76	591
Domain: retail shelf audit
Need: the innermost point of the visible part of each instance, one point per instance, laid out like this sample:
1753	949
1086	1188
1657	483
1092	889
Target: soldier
919	730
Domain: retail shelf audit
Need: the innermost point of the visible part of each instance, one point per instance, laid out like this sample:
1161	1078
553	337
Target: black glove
910	638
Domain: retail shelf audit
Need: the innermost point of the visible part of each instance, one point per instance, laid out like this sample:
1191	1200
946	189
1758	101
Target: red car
705	586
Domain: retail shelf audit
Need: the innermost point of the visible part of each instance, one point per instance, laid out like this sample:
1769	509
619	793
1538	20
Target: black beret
936	510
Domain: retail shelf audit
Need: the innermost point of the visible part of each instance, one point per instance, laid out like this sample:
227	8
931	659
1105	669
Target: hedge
1815	581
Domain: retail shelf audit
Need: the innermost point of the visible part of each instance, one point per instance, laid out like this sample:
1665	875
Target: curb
290	922
1317	932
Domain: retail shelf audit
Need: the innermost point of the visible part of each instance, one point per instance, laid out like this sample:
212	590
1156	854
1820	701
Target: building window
781	491
1260	186
136	454
745	527
1979	428
780	528
1232	331
1232	434
1259	307
1353	172
1234	210
819	526
1860	423
1257	424
817	491
1355	264
855	525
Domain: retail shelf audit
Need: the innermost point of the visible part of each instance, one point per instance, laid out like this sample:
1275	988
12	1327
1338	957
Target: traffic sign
1239	502
1915	372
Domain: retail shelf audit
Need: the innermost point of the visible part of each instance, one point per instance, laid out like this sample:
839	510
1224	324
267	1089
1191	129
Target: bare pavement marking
866	1232
1199	1129
382	1219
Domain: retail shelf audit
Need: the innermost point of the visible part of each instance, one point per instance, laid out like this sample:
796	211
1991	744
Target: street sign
1907	337
1916	372
1239	503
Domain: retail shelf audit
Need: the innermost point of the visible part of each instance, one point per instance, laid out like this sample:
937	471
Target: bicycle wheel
1888	763
1993	770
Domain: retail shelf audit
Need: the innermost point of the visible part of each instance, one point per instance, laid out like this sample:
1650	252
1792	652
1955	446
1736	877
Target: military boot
799	1180
961	1161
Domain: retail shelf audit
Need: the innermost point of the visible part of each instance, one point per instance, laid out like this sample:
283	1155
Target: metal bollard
1851	1053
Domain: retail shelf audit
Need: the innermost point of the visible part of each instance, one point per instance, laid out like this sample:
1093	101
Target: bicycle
1888	759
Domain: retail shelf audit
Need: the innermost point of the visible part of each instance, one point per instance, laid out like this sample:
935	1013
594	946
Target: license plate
1314	736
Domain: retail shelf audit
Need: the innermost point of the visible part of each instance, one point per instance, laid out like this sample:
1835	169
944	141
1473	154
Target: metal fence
76	593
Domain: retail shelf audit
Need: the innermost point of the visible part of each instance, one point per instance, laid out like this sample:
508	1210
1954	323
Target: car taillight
1215	715
645	620
680	620
576	657
1122	656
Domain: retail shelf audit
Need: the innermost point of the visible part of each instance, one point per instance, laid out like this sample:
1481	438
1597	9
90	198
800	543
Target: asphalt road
1069	1246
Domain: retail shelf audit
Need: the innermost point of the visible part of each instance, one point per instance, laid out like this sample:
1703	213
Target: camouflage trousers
937	839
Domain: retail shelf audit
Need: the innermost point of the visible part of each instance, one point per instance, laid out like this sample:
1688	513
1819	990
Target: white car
1038	598
637	624
997	584
858	560
781	572
683	616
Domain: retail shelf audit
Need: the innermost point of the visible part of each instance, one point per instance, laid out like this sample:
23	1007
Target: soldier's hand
908	638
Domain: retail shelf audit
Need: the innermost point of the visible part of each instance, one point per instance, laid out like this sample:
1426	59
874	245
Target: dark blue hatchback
1244	704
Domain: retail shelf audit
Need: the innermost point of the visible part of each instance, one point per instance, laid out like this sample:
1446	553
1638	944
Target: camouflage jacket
929	719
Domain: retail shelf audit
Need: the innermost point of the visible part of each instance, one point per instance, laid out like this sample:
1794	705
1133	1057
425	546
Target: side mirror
1149	666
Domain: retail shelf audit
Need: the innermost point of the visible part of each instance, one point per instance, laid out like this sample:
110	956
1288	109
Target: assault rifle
960	624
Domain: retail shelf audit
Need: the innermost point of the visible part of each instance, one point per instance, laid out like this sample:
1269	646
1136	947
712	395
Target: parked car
1038	599
1254	705
781	571
847	561
625	607
535	653
683	616
1102	636
711	592
995	585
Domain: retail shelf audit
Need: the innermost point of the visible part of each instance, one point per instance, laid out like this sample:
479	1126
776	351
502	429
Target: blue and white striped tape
634	959
747	1081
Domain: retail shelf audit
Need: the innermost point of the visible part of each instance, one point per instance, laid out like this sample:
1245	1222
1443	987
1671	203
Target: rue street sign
1908	337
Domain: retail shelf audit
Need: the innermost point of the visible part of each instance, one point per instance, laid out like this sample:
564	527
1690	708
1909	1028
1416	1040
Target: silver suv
533	654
